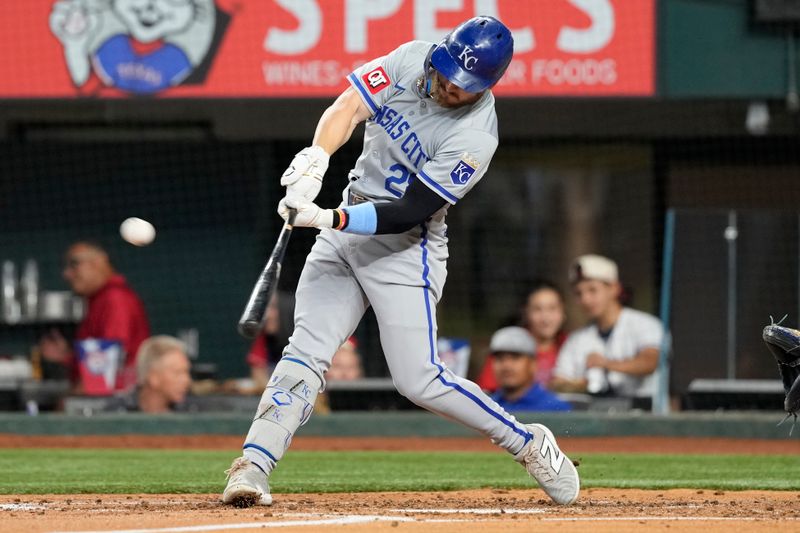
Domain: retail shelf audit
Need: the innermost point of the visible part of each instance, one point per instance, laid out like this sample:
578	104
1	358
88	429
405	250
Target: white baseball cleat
551	468
247	485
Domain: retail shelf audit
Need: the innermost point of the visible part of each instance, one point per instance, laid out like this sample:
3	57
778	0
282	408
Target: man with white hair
162	370
617	353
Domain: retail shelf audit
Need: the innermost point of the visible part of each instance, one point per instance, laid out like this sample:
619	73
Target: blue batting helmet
475	55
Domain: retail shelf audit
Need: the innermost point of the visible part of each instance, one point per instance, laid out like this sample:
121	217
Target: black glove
784	343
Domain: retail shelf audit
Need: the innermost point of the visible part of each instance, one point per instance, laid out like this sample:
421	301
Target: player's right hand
309	214
304	176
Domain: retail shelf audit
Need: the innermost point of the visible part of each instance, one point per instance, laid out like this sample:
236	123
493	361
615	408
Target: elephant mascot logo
138	46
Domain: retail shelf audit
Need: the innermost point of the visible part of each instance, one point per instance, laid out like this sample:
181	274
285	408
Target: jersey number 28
399	176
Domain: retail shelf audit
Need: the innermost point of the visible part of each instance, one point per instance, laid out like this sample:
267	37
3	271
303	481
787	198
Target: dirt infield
483	511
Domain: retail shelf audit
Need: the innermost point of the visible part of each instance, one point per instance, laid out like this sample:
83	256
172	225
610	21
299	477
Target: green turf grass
61	471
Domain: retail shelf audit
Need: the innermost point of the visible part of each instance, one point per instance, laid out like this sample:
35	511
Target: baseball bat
252	321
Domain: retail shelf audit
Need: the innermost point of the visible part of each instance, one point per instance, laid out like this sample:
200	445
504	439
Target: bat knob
249	329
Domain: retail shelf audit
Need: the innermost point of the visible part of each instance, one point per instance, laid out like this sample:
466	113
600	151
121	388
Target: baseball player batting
431	131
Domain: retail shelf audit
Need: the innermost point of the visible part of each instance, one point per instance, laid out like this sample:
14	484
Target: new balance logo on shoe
549	466
556	457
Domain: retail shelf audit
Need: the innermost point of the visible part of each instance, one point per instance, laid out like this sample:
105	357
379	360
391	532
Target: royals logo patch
462	172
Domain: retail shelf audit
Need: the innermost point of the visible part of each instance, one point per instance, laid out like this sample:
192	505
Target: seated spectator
115	313
543	315
346	364
514	360
617	353
162	370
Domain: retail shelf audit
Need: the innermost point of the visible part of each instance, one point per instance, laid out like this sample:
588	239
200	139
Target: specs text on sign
574	44
359	13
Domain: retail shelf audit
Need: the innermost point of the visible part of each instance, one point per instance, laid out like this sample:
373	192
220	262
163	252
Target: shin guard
286	404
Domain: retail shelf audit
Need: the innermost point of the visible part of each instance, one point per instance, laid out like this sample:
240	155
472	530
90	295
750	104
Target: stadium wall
419	424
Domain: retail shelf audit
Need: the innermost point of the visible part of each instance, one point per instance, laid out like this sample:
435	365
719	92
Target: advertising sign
301	48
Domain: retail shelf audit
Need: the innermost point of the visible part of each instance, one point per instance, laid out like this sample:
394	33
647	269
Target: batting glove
305	172
309	214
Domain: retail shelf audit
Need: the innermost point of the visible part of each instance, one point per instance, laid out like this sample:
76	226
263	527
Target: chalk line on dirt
343	520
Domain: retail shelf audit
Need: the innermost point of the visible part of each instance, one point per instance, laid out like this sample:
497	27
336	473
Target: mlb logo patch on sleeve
462	172
376	80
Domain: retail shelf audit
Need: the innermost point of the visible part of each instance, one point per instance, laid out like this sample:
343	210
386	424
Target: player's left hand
309	214
305	173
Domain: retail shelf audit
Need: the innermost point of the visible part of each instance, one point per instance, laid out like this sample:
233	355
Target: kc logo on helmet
465	57
462	173
376	80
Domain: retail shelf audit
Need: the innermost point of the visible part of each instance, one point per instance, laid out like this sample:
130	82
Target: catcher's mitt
784	343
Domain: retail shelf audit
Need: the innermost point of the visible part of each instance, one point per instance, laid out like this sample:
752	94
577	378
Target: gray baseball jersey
401	276
411	137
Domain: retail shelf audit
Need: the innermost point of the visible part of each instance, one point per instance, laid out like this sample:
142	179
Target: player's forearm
643	364
415	207
399	216
376	219
304	176
338	121
334	129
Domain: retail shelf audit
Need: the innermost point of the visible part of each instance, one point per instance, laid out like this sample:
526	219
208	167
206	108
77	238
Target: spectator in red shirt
114	311
265	352
543	315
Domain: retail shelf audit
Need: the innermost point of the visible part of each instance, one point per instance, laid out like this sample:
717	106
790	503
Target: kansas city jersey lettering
410	137
397	127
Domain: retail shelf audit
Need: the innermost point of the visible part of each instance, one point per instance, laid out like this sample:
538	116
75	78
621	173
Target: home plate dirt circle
483	511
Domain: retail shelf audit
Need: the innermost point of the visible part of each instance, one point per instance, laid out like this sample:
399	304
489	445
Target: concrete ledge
729	424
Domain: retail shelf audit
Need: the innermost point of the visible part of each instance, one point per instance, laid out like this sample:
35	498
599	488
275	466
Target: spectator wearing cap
617	352
514	361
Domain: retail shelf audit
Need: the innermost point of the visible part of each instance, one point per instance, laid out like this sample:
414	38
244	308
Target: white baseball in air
731	233
136	231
